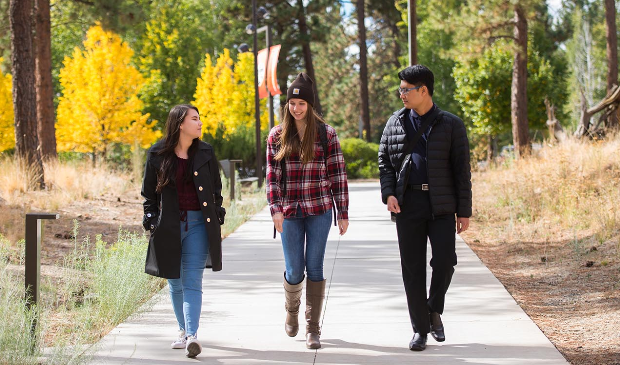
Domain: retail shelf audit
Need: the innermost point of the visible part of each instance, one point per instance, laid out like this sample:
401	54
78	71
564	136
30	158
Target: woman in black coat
183	212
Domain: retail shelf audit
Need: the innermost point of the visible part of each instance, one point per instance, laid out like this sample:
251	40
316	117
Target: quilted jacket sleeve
387	172
459	158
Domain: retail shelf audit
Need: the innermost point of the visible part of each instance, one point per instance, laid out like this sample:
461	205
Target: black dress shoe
418	342
437	327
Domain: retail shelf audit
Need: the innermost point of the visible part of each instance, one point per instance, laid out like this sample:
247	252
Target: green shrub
361	158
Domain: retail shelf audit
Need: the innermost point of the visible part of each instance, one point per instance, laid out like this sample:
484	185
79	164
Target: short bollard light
33	259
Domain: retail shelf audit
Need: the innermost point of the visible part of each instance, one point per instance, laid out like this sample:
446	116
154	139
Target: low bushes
361	158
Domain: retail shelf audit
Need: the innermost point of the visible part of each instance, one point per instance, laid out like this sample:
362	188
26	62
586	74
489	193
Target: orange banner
272	78
262	73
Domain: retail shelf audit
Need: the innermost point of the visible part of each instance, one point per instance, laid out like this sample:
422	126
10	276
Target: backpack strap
323	137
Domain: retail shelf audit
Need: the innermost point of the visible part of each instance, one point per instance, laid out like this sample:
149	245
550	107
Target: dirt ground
569	289
103	215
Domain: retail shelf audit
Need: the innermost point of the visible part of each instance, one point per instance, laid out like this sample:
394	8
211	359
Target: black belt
423	187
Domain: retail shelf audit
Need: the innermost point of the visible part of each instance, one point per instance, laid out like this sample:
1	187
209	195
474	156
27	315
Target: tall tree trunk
612	56
397	49
307	52
518	102
612	45
361	30
24	92
45	92
491	148
413	33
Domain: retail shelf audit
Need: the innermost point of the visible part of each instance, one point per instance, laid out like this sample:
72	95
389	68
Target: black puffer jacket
447	151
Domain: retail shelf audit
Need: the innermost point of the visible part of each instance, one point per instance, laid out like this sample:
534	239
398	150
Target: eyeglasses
405	91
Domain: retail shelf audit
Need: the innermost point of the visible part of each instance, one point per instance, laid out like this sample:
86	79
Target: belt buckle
424	187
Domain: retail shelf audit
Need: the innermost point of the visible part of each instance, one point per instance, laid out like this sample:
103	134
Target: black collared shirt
418	174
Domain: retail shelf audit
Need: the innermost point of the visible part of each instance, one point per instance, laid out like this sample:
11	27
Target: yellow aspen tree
204	94
7	118
204	98
225	97
213	91
99	103
243	95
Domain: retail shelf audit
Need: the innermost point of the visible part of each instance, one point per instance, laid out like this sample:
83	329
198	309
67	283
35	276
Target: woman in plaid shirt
304	182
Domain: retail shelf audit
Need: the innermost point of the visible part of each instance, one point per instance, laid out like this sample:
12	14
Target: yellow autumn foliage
100	103
7	118
225	97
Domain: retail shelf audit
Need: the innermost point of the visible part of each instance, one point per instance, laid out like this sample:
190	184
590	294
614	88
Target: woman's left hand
343	224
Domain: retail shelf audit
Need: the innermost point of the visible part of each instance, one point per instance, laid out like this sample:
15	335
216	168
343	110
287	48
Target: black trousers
415	224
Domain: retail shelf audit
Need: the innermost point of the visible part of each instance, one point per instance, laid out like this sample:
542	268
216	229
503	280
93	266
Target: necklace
301	129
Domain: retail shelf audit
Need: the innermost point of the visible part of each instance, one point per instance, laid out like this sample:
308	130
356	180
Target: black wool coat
163	258
447	161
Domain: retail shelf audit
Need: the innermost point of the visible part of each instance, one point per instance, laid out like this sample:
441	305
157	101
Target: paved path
365	320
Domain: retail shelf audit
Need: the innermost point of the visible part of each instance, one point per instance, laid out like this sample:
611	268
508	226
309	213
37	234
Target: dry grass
65	182
573	187
549	228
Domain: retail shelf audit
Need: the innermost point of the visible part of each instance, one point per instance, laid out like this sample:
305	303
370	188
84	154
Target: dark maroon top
188	198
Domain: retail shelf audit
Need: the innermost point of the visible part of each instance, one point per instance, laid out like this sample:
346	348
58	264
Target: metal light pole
259	157
269	93
413	44
267	29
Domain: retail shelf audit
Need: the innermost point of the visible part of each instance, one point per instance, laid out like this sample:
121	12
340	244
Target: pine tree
24	92
489	21
45	91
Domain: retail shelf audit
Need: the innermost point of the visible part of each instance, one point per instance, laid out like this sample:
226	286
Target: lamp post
244	48
412	30
259	158
251	29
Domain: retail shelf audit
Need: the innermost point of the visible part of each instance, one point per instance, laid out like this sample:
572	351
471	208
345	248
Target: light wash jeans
305	235
186	292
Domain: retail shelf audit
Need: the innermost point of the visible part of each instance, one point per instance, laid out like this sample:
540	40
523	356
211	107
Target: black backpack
323	138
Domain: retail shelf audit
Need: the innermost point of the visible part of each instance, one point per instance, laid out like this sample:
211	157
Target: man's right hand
392	204
278	220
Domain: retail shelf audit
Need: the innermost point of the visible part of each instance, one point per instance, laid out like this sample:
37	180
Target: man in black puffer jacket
428	190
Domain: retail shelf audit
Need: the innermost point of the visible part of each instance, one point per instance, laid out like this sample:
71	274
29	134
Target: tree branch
497	37
606	102
491	28
85	2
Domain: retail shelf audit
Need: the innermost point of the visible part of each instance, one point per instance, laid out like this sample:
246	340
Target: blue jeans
186	292
309	233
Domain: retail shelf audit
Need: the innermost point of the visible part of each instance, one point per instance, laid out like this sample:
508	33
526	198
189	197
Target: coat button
204	204
200	188
195	173
208	220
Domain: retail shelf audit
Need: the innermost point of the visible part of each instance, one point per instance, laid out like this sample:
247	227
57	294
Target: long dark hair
289	143
167	172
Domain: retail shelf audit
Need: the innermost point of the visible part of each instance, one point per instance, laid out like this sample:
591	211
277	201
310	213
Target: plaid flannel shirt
310	185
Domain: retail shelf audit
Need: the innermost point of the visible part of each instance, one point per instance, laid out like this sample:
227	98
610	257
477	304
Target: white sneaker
179	343
193	347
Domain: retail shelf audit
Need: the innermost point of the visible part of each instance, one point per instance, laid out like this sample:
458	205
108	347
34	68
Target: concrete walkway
365	316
